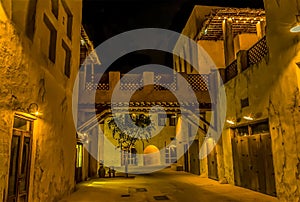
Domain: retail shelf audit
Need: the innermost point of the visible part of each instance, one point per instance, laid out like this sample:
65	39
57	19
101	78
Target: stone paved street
175	185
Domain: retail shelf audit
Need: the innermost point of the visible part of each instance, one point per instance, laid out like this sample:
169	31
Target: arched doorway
151	155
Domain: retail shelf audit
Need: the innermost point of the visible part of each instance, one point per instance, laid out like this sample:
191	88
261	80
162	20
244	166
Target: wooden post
260	29
228	41
148	79
114	78
242	62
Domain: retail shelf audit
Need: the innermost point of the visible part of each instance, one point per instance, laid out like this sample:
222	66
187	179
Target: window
162	119
172	119
54	5
53	37
253	129
244	102
30	21
67	59
171	154
69	19
132	158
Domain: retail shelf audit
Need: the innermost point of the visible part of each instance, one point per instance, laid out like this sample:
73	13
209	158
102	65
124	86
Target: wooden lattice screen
198	82
231	71
257	52
165	81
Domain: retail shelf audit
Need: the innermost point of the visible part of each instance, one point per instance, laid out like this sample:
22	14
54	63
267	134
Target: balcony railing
132	82
198	82
165	81
231	71
254	55
257	52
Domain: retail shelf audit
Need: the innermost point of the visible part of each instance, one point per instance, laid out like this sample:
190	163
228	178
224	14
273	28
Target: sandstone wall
272	87
27	76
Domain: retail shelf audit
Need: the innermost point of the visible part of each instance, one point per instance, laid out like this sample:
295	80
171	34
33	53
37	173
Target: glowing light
249	118
230	122
295	28
36	113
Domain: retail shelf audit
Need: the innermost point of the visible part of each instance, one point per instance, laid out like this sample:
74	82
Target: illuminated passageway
166	185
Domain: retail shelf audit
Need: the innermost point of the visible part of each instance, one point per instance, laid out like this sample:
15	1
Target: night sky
103	19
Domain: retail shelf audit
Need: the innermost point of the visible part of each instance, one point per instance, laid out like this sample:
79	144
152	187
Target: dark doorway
186	158
194	158
20	157
212	159
78	166
253	163
253	159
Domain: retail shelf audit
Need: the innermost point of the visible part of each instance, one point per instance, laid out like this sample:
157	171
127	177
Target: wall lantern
33	109
249	118
296	26
230	122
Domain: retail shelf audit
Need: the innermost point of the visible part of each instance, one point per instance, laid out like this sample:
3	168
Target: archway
151	155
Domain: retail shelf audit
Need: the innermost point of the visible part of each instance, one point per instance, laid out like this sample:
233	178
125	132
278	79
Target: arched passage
151	155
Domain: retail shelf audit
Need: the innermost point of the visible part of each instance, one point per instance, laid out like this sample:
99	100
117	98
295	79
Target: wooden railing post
114	78
242	60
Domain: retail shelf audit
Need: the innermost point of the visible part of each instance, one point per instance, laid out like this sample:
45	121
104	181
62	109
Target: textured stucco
272	87
215	50
27	76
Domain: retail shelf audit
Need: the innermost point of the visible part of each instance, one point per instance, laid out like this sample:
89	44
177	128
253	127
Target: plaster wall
272	87
284	97
27	76
244	41
215	50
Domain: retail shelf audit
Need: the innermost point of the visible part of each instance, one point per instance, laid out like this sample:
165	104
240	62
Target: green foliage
127	130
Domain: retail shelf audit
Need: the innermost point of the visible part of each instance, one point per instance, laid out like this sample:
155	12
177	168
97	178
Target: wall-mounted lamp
83	137
249	118
296	26
230	122
33	109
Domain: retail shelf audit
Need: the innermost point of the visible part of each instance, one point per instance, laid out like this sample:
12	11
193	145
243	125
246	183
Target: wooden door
186	158
212	160
253	163
194	158
20	156
78	165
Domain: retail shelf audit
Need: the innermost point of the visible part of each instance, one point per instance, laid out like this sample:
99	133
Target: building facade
39	63
259	67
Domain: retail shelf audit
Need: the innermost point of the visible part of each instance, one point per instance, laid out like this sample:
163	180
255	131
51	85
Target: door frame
22	134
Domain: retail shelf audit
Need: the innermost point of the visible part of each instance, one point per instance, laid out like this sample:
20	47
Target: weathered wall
215	50
244	41
272	87
28	76
284	97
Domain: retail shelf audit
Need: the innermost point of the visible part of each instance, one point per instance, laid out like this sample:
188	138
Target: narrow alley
165	185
